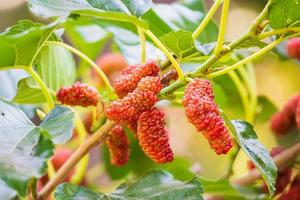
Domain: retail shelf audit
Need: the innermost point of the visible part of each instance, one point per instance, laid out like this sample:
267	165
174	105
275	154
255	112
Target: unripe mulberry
284	120
131	76
202	111
293	48
118	145
79	94
141	99
153	136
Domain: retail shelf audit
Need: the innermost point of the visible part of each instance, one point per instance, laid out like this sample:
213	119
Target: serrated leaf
28	92
59	124
284	13
179	42
24	148
56	67
133	7
19	43
265	109
154	185
257	153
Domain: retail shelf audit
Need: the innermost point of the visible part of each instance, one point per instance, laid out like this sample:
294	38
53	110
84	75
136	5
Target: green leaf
56	67
6	192
154	185
258	154
19	43
283	13
28	92
229	191
133	7
59	124
265	109
178	16
24	148
179	42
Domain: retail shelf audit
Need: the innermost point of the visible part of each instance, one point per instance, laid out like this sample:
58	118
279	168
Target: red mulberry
153	136
118	144
294	192
284	120
202	111
79	94
131	76
141	99
293	48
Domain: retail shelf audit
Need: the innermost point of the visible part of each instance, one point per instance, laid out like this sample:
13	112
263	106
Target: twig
75	158
282	160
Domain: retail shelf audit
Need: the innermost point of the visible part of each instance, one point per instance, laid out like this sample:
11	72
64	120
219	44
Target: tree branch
83	149
282	161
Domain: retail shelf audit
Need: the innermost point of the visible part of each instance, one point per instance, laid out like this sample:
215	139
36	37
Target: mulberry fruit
202	111
153	136
118	145
293	48
284	120
79	94
141	99
131	76
294	192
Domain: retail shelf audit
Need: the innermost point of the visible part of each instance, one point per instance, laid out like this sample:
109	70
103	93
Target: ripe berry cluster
138	87
79	94
202	111
288	117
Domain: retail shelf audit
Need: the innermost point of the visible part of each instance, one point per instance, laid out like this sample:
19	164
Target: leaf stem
223	26
43	87
143	44
242	92
160	45
89	61
207	19
246	60
278	32
81	151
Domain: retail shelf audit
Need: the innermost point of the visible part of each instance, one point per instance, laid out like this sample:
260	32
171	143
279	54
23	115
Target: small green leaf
28	92
24	148
154	185
59	124
19	43
56	67
179	42
258	154
265	109
283	13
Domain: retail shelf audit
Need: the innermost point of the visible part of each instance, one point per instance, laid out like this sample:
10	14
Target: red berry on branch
132	75
153	136
293	48
294	192
284	120
118	145
79	94
131	106
202	111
